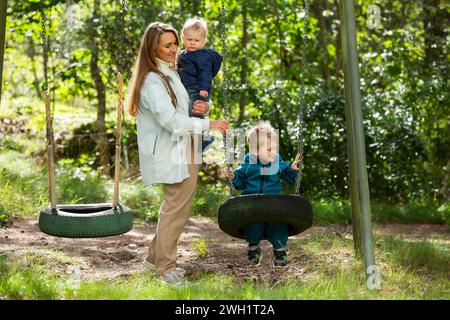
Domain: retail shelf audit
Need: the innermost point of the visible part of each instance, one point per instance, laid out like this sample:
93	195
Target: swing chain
224	97
302	98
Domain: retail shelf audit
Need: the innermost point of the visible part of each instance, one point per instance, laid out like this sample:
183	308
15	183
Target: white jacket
163	130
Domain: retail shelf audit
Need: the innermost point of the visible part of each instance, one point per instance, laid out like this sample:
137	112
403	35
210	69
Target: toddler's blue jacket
198	68
252	176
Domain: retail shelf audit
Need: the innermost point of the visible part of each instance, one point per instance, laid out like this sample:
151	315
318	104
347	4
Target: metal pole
358	171
3	7
356	210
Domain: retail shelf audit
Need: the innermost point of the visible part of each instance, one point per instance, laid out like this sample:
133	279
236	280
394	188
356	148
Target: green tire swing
82	220
239	211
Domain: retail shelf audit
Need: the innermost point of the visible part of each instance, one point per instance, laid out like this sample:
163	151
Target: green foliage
145	201
403	67
3	217
208	198
83	140
80	184
410	213
338	211
326	164
331	211
201	247
23	189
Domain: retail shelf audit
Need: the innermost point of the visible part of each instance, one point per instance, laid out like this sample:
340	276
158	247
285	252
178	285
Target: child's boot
254	255
280	258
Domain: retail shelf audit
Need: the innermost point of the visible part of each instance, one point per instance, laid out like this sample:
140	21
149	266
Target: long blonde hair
146	63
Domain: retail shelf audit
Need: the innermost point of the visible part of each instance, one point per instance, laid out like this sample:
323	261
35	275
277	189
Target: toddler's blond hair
196	24
260	135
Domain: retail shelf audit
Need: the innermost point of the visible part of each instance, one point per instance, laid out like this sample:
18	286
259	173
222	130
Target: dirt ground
122	256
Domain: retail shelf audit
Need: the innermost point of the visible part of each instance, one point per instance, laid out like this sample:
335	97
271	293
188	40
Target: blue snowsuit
252	177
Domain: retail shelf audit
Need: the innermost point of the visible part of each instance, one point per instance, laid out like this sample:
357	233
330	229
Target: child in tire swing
260	172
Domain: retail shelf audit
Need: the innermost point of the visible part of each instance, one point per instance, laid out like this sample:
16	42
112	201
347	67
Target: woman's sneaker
280	258
173	278
254	256
151	267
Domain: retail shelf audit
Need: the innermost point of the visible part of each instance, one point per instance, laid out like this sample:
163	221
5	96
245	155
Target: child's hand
230	173
203	93
296	163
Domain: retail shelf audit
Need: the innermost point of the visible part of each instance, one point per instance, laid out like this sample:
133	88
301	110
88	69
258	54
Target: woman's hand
295	164
218	125
230	173
227	173
200	107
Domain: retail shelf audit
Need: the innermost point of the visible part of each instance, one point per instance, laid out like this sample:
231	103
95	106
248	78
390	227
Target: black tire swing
82	220
239	211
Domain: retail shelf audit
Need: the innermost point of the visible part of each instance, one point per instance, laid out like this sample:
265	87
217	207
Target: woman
166	138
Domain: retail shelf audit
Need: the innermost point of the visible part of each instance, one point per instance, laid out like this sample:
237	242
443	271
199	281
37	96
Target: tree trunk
318	9
102	140
243	92
338	66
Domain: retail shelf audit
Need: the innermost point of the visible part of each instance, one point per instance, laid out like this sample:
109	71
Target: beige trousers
173	215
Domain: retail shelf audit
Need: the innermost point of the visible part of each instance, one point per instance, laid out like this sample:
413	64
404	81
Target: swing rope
48	118
48	115
300	135
119	108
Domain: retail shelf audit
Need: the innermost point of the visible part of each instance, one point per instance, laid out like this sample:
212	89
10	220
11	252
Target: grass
145	201
409	271
426	257
22	189
201	247
21	282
